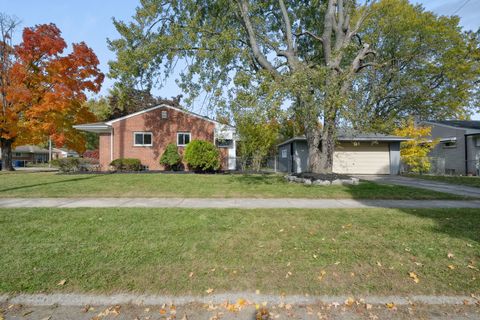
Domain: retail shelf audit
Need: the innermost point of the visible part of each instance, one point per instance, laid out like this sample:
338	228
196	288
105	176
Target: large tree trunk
321	146
6	146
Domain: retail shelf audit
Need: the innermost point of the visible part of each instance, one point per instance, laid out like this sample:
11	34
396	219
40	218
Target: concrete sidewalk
246	203
238	306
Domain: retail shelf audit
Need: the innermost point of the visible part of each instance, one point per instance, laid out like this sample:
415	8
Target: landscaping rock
337	182
321	183
307	182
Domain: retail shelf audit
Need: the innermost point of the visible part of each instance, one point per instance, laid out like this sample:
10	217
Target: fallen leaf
368	306
471	266
469	245
212	270
209	290
322	274
414	277
315	256
337	263
62	282
349	302
450	255
163	311
451	267
190	274
419	264
390	305
379	264
281	230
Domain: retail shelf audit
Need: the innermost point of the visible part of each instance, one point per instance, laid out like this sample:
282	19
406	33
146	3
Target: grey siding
394	158
454	156
284	163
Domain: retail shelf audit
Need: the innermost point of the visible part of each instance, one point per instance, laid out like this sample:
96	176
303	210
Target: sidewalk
236	306
243	203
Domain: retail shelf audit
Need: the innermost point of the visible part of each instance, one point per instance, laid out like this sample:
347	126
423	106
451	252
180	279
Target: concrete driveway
424	184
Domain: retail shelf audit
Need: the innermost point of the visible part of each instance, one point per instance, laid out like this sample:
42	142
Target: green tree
338	62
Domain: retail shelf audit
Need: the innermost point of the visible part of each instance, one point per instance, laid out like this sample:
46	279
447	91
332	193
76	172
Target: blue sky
91	21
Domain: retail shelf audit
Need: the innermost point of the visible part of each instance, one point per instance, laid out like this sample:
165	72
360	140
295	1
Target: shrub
127	164
171	159
202	155
67	164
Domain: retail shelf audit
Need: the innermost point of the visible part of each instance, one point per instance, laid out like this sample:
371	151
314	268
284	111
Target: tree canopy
336	62
43	89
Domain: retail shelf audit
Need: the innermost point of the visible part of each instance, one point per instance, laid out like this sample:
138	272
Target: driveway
424	184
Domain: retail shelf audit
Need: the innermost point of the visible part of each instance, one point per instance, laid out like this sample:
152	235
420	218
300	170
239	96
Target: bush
171	159
67	164
127	164
202	155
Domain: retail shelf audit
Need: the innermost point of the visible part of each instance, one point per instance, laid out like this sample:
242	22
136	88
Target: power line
461	7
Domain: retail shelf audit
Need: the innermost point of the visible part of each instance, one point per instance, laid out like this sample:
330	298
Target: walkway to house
247	203
424	184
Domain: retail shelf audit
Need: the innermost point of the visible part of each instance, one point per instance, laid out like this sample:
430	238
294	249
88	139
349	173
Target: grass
460	180
193	186
362	251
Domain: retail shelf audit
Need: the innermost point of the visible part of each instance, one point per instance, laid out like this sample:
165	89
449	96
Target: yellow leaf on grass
390	305
451	267
190	274
62	282
414	277
349	302
471	266
322	274
209	290
450	255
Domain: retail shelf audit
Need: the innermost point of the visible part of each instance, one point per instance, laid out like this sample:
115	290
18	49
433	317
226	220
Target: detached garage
358	154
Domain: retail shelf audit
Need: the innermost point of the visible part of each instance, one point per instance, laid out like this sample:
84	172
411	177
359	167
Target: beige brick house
145	135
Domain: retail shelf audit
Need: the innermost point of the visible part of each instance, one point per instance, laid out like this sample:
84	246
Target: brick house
145	135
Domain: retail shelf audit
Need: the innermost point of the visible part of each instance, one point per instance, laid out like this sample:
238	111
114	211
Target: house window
164	114
142	139
284	153
183	138
18	154
450	144
224	143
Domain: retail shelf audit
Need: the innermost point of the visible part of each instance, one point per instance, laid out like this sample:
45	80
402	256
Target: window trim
189	138
143	133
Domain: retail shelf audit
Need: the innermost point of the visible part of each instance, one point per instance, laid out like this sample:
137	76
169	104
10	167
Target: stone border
319	182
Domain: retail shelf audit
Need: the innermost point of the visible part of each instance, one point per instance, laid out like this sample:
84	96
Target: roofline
96	128
163	105
391	139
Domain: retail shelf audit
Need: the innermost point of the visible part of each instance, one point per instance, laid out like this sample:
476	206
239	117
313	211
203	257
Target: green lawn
193	186
466	181
363	251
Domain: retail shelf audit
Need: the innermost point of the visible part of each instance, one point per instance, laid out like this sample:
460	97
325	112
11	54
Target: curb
85	299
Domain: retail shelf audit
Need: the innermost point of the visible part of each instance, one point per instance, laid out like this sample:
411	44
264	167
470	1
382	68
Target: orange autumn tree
44	90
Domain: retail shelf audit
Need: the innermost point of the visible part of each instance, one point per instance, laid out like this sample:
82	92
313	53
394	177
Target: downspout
111	144
466	154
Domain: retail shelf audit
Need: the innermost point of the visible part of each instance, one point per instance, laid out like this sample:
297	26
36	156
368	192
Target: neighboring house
60	153
458	147
28	154
145	135
354	154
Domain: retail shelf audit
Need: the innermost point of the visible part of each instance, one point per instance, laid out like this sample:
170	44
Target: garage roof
345	135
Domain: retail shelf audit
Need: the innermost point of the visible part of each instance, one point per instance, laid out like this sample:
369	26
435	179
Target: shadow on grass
48	183
462	224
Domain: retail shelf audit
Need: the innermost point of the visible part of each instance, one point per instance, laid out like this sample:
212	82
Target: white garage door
364	158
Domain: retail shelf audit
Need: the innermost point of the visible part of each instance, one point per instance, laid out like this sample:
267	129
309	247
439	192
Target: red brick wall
164	131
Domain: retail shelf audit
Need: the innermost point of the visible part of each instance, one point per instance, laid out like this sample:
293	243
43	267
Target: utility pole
49	151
